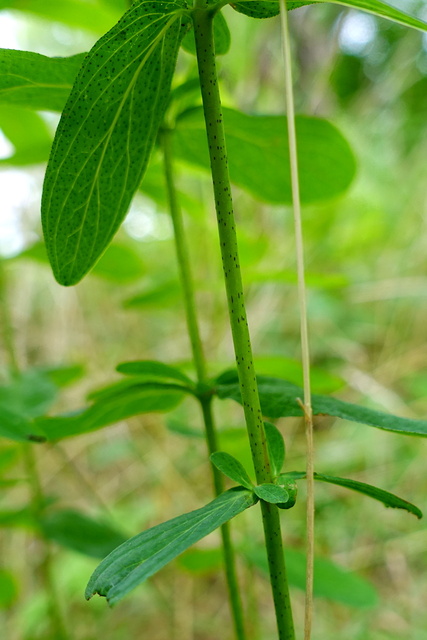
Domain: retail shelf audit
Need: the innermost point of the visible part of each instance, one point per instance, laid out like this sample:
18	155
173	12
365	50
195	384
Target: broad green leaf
106	133
18	518
265	9
110	408
153	370
33	81
276	447
258	155
28	133
271	493
79	532
330	580
145	554
29	395
8	589
387	498
230	467
93	16
14	426
222	37
119	263
201	561
279	399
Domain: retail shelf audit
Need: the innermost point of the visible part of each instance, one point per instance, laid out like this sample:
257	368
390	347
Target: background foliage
367	276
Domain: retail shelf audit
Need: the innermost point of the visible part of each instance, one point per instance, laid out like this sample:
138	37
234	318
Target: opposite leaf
143	555
276	447
230	467
387	498
106	133
272	493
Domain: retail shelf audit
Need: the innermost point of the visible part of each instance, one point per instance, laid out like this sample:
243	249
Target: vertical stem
308	414
200	364
203	26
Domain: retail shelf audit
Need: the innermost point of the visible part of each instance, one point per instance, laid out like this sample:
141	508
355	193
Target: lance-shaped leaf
106	133
33	81
279	399
143	555
257	148
268	8
387	498
276	447
232	468
110	406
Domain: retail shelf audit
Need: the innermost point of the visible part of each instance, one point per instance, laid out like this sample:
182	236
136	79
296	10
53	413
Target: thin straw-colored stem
308	415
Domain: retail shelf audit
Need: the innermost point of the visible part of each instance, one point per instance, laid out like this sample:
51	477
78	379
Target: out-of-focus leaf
230	467
387	498
222	37
62	376
92	16
30	394
8	589
14	426
153	370
258	154
110	408
79	532
182	429
8	457
28	133
279	399
119	263
145	554
17	518
163	295
276	447
321	381
330	580
33	81
106	133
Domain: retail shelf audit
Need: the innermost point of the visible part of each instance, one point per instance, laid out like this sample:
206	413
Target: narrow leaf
153	370
33	81
106	133
258	155
387	498
279	399
230	467
271	493
79	532
110	408
276	447
143	555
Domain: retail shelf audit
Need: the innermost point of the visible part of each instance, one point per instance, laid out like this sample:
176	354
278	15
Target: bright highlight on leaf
230	467
106	133
387	498
148	552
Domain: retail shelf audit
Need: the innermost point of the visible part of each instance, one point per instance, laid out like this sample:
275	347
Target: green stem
203	27
200	364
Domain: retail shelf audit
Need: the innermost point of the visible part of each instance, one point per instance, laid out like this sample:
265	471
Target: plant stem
203	27
205	399
305	351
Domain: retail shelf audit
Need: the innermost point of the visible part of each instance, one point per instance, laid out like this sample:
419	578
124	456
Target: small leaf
388	499
257	148
79	532
256	9
153	370
279	399
330	580
222	37
33	81
276	447
145	554
230	467
271	493
106	134
111	406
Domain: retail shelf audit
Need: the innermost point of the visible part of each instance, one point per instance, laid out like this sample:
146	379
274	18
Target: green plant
120	102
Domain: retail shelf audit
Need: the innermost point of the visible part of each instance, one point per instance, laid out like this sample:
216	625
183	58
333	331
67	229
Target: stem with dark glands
203	27
200	365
